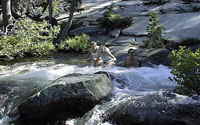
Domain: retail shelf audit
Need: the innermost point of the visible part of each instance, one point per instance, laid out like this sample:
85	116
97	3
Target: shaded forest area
25	22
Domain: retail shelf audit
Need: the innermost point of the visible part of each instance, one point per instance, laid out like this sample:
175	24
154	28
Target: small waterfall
99	113
144	80
26	79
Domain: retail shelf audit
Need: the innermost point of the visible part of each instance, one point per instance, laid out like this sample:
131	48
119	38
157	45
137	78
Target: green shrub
30	30
111	20
56	4
155	31
186	70
27	41
77	43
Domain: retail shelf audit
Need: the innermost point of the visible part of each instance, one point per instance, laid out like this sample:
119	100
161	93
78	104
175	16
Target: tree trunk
6	8
65	32
50	11
19	8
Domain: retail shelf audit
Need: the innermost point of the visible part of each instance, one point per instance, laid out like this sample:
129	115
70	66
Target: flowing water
22	80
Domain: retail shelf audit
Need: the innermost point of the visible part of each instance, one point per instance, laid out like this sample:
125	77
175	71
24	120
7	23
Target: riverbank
58	57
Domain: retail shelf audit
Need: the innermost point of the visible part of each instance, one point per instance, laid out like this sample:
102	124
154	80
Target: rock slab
71	95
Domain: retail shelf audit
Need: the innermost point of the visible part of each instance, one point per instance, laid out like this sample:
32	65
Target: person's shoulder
97	47
107	49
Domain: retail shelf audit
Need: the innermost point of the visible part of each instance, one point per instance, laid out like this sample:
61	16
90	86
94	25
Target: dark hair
131	51
93	43
105	44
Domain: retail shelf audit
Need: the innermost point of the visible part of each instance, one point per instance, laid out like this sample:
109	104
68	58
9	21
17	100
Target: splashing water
5	121
144	80
132	81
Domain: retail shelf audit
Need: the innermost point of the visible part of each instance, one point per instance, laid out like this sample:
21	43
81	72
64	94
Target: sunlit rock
72	95
162	108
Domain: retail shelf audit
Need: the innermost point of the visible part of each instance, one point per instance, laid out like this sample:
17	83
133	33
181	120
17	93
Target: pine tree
155	31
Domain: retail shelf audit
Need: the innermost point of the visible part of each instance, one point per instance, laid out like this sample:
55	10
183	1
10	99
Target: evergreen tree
155	31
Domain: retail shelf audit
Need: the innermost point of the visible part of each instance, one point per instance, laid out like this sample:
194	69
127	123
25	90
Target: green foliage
186	70
27	41
111	20
30	30
155	31
56	6
77	43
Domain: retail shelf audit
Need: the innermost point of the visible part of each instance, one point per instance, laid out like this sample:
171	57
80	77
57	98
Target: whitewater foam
131	81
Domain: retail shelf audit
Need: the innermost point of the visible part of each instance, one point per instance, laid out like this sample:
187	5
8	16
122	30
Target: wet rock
138	28
159	56
189	1
67	97
162	108
122	40
150	57
180	8
156	2
90	30
101	38
156	109
177	26
6	58
142	8
192	43
115	33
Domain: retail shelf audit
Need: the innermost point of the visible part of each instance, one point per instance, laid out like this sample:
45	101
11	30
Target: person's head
131	52
102	45
93	44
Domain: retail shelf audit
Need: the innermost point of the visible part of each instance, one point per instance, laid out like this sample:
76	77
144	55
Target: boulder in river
69	96
162	108
157	109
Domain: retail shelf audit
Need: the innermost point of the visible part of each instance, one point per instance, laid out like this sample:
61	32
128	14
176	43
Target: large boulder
159	56
162	108
71	95
157	109
178	27
115	33
90	30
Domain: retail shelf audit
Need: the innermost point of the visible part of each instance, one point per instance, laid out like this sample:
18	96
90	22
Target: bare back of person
131	59
105	55
101	55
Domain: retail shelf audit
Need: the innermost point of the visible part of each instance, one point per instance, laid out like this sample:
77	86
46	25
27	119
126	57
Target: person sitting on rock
131	59
104	56
93	52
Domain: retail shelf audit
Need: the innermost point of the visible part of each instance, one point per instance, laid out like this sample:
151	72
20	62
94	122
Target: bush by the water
155	31
112	20
77	43
31	39
186	70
